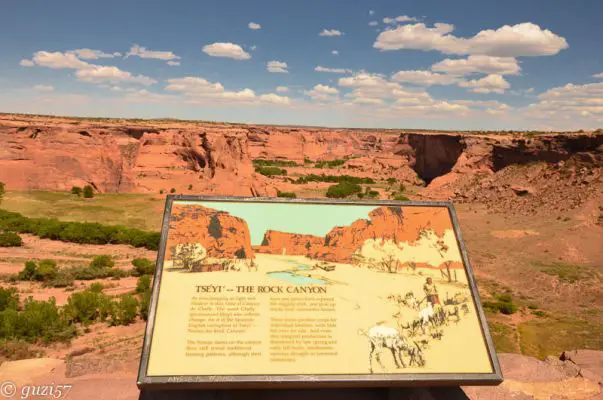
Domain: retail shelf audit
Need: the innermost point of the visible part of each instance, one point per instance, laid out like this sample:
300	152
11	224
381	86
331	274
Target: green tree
2	190
76	190
10	239
343	189
88	192
143	284
102	261
142	266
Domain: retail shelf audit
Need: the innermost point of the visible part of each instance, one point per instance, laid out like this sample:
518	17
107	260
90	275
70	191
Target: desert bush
274	163
190	187
83	307
333	179
161	191
10	239
329	164
44	271
13	350
125	311
502	303
78	232
2	191
88	192
102	261
143	284
172	190
343	189
145	303
400	197
9	299
391	181
270	171
39	320
76	190
142	266
96	287
289	195
62	279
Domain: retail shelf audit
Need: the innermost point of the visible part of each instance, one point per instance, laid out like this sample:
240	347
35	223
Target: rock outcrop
112	157
394	224
222	235
276	242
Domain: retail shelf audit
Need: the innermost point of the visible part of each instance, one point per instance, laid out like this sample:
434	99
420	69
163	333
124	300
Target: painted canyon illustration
395	271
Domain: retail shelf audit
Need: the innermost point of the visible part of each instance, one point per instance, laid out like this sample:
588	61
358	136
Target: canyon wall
222	235
39	153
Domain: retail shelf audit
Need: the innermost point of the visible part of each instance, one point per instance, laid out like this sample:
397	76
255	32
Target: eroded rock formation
222	235
276	242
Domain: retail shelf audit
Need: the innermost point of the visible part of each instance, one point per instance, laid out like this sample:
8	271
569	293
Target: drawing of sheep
383	337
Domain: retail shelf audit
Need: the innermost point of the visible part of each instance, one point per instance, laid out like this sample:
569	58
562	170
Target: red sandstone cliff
276	242
222	235
389	223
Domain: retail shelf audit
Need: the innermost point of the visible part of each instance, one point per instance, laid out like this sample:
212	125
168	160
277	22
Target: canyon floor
530	207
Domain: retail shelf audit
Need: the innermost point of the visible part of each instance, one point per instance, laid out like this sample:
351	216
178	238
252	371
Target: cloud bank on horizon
393	67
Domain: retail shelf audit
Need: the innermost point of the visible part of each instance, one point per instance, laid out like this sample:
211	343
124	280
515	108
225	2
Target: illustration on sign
291	288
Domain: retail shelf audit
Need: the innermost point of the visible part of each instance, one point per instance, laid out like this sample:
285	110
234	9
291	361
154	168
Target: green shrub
96	287
270	171
63	279
308	161
402	187
145	303
39	320
329	164
507	308
10	239
142	266
503	304
125	311
9	299
2	191
539	313
13	350
83	307
190	187
391	181
143	284
45	271
274	163
372	194
103	261
289	195
78	232
76	190
161	191
333	179
400	197
88	192
172	190
343	189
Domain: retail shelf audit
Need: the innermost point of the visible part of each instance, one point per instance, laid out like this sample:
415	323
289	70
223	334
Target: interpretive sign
253	292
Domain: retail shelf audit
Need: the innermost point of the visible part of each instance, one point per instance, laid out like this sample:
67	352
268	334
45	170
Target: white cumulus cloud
282	89
58	60
488	84
598	75
426	78
330	32
89	54
228	50
373	23
322	93
99	73
332	70
26	63
173	63
142	52
525	39
478	64
335	52
253	26
276	66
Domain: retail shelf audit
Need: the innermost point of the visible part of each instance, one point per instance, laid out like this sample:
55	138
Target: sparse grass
139	211
540	338
274	163
569	273
503	336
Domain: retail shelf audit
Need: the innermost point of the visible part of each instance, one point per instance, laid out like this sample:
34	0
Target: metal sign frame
312	381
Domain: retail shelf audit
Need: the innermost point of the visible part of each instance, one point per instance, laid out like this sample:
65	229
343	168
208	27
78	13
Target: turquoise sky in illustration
313	219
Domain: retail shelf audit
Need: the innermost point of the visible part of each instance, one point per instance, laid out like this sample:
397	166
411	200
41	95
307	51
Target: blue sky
311	219
381	64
